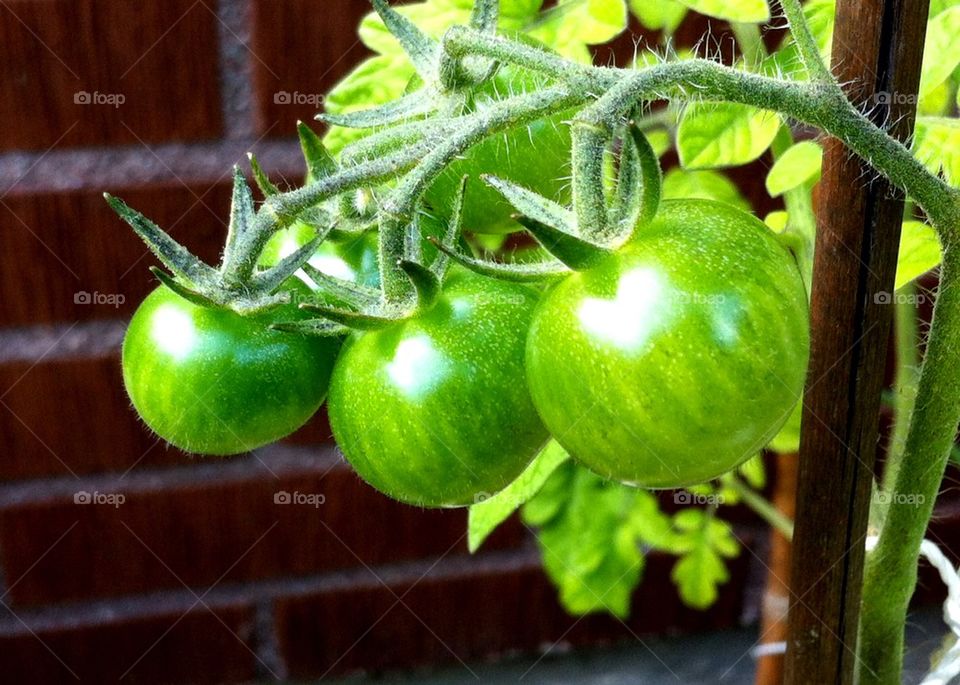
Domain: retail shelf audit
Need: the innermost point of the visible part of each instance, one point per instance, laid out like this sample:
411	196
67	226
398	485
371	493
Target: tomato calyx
581	237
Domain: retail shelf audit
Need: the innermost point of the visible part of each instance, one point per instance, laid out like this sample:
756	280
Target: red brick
216	521
302	47
466	609
50	408
72	416
162	57
170	646
59	245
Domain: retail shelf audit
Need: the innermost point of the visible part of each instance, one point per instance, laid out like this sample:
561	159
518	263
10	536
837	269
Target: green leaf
485	516
659	15
754	11
724	134
777	220
709	185
701	569
588	539
936	144
754	472
919	252
797	165
787	441
941	50
572	25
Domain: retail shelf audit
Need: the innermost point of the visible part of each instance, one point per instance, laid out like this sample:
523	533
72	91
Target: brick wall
197	575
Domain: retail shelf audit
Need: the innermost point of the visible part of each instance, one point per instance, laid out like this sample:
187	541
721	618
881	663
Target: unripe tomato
213	382
678	357
535	156
352	259
434	411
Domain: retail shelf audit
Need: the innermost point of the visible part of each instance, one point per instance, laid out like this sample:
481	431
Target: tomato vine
412	140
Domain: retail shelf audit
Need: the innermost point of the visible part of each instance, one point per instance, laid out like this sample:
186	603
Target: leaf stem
761	506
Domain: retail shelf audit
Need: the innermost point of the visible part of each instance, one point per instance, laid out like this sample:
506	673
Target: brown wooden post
877	49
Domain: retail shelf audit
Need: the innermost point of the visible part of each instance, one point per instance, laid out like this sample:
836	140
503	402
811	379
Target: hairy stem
891	568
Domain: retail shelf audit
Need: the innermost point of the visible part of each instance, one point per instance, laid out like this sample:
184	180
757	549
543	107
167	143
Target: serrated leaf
724	134
797	165
919	252
701	569
748	11
705	184
659	15
941	50
487	515
589	546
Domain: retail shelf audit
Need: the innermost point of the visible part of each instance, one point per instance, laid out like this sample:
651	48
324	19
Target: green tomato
680	356
434	411
351	259
213	382
535	156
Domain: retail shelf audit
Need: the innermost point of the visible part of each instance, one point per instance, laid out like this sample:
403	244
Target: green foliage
936	143
705	184
594	535
941	50
714	135
572	25
703	542
799	164
484	517
662	15
919	252
753	11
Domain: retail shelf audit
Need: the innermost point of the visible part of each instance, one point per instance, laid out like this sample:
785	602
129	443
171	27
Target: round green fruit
434	411
678	357
213	382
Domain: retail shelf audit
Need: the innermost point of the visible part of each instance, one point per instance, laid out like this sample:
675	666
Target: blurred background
124	559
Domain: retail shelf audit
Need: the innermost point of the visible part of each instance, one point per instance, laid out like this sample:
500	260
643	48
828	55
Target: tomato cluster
667	363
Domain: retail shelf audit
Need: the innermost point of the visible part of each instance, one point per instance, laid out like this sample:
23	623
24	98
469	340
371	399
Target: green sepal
419	47
403	108
425	282
183	291
533	205
172	254
260	177
314	327
389	140
341	289
269	280
639	185
364	321
320	163
576	253
454	230
518	273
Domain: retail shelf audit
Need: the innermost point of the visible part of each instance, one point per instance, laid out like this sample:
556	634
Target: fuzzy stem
891	568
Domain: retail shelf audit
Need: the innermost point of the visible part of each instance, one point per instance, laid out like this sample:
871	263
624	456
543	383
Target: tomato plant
434	410
678	357
671	342
192	371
